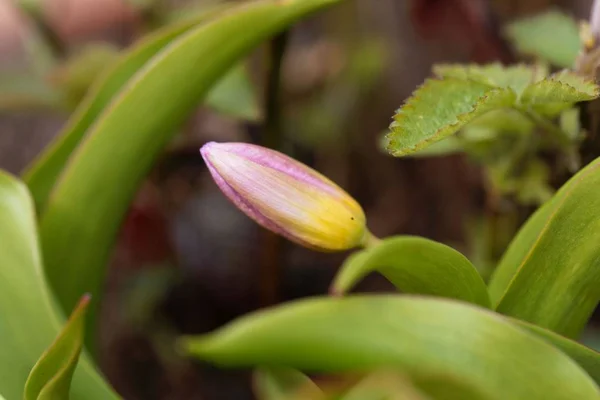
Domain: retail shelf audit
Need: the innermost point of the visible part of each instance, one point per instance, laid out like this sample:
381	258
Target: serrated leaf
284	384
550	274
416	265
439	108
515	77
411	334
91	198
551	36
557	93
51	376
30	318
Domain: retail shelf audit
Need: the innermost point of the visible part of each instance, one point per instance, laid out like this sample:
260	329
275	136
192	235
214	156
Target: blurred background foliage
187	261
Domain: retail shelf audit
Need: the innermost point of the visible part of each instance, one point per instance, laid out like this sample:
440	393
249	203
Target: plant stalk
270	265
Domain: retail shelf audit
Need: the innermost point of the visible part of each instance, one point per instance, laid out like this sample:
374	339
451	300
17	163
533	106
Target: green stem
272	135
370	240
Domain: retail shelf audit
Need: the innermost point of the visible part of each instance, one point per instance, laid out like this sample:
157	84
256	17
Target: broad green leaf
42	175
51	376
550	274
87	206
283	384
551	36
587	358
439	109
515	77
413	334
29	317
416	265
557	93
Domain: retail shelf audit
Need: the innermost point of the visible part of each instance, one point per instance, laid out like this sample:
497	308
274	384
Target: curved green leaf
416	265
414	334
29	317
587	358
41	176
87	206
51	376
550	274
439	108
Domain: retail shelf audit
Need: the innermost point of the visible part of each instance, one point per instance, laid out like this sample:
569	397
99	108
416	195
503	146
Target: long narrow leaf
83	217
30	320
51	376
550	274
41	176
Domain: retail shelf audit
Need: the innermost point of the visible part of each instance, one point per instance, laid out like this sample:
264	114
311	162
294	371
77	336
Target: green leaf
439	108
557	93
42	175
550	274
51	376
587	358
515	77
29	317
89	202
551	36
416	265
283	384
234	95
417	335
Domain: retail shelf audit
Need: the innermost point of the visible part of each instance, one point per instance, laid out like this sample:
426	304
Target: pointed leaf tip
51	377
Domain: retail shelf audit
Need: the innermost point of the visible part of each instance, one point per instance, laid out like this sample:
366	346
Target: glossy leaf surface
416	265
413	334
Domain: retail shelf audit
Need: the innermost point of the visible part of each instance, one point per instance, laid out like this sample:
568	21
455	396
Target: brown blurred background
187	261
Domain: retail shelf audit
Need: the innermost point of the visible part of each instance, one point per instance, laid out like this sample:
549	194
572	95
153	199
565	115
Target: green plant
449	335
182	61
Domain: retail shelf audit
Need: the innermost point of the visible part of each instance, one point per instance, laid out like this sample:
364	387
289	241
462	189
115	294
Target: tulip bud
286	197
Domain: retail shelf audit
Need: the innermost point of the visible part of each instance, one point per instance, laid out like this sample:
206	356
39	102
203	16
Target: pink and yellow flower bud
286	197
